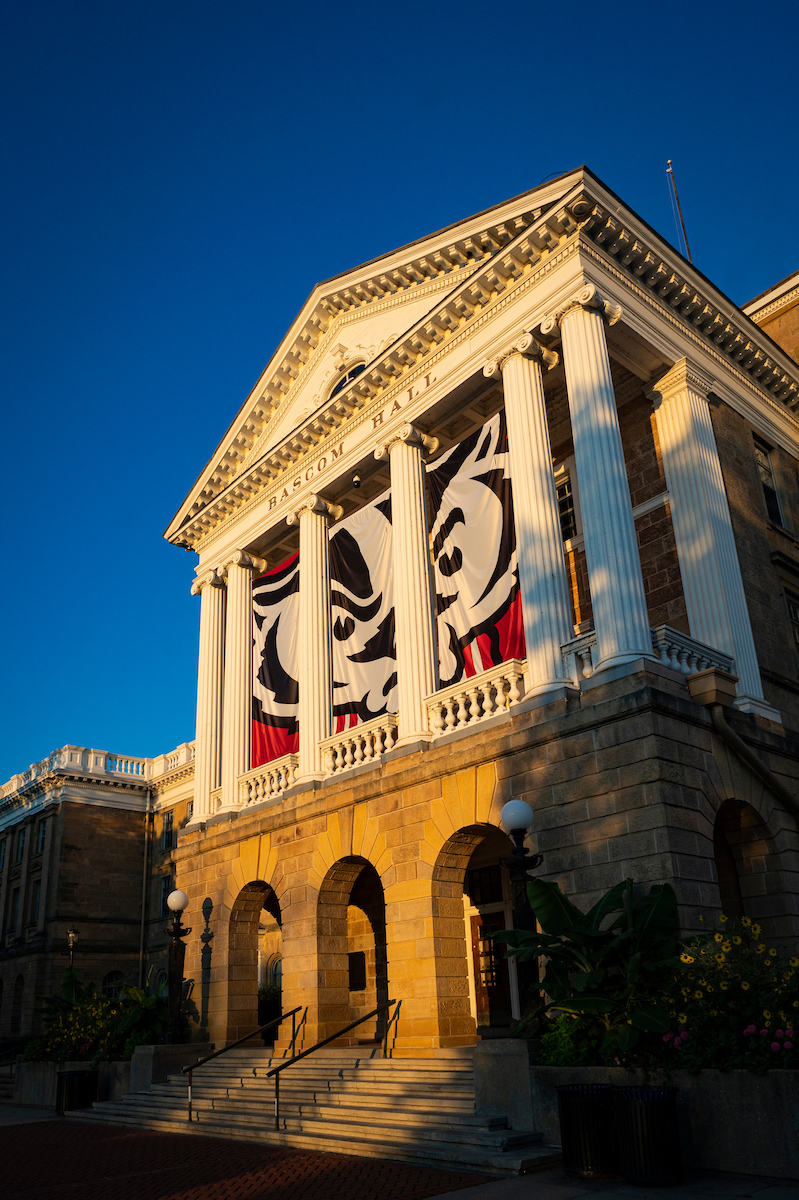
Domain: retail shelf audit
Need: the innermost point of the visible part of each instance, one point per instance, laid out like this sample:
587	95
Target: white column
417	674
208	737
611	548
315	715
237	697
542	570
711	574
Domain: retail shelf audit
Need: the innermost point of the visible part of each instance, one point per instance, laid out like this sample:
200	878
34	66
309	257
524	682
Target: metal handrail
270	1025
290	1063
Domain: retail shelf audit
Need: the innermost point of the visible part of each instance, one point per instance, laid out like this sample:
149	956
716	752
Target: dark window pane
357	966
485	885
568	520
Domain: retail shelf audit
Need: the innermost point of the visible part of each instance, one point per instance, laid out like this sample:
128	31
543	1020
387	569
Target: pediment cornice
463	294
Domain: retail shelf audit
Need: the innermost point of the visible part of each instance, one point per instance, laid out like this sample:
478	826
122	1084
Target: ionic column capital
589	299
409	435
206	579
239	558
316	504
683	375
525	345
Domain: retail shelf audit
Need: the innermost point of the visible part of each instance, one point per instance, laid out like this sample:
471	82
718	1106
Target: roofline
770	291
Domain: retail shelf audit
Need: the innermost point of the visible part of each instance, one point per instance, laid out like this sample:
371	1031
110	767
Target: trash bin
75	1089
648	1136
587	1130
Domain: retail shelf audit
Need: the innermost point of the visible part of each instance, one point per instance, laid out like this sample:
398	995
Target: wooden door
491	981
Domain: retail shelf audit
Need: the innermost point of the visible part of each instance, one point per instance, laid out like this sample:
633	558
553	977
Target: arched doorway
749	869
351	925
254	915
469	880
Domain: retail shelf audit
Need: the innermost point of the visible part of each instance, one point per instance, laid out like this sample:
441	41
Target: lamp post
72	941
517	817
176	902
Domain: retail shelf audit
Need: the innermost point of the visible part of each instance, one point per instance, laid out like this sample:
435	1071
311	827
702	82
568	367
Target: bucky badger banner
275	607
473	538
362	597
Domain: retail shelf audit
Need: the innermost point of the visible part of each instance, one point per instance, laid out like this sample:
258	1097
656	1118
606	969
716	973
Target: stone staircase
339	1101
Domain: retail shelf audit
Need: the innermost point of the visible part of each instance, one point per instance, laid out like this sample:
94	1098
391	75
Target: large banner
275	608
473	538
362	597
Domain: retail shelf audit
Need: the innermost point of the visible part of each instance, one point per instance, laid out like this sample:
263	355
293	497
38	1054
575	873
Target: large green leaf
554	911
611	902
655	1020
588	1004
655	915
627	1037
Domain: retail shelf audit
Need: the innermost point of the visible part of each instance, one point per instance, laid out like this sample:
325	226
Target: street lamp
517	817
72	941
176	901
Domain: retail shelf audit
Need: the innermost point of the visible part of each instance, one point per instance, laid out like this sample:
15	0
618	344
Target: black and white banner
478	605
275	610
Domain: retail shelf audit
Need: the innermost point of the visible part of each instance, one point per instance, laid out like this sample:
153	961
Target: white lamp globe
517	814
177	901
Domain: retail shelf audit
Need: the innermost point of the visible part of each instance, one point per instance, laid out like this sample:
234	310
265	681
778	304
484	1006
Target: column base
412	738
622	659
760	708
550	685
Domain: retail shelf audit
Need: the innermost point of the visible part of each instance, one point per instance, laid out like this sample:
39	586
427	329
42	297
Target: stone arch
748	867
242	955
455	1015
351	920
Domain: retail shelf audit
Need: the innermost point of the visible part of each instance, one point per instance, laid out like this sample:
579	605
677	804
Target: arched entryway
255	911
748	867
351	931
472	901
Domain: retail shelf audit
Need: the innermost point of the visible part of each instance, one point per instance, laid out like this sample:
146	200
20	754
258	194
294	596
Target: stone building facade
652	447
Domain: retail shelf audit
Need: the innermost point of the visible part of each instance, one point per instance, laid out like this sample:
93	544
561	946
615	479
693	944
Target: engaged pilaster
237	700
711	575
542	571
611	548
315	715
208	738
413	593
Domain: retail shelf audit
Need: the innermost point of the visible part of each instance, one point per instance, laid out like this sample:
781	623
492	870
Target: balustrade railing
464	704
363	744
674	649
268	781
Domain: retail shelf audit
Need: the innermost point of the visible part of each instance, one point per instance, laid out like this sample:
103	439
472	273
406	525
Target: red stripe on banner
269	742
510	628
468	662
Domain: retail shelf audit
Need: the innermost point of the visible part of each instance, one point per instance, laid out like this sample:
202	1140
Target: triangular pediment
355	318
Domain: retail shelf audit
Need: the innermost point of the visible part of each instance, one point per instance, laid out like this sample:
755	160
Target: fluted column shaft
417	674
542	571
237	699
315	634
611	548
711	575
208	737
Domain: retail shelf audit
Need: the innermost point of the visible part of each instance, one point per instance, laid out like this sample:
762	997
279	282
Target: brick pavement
68	1160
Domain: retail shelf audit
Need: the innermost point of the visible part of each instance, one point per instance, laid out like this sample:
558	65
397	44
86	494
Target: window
42	837
16	1004
111	985
348	376
167	886
767	481
13	914
33	905
793	614
568	517
189	810
3	853
20	845
485	885
357	971
167	833
276	973
162	984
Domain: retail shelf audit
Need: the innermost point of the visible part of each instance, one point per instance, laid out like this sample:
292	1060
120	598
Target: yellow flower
760	948
720	958
767	1014
713	1012
726	947
755	930
724	985
708	987
722	919
744	985
737	939
682	1018
772	952
746	922
701	918
795	1004
697	995
793	962
686	958
719	937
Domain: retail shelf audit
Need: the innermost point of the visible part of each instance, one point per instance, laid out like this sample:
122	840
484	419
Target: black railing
271	1025
325	1041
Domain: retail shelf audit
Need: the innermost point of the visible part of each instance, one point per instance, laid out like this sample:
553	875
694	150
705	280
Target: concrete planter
35	1082
730	1121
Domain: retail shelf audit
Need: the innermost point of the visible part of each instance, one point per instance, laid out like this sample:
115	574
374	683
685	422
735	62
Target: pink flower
684	1036
667	1037
750	1029
779	1033
789	1033
764	1033
677	1044
775	1046
788	1045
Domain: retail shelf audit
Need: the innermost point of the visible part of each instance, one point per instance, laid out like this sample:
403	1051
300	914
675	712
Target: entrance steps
339	1101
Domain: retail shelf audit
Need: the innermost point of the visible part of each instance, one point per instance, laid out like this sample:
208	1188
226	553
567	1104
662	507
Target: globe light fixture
177	1030
517	814
177	901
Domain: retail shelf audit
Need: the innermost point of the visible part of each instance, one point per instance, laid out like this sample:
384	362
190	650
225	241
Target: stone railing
364	744
99	764
674	649
269	781
215	799
489	694
682	653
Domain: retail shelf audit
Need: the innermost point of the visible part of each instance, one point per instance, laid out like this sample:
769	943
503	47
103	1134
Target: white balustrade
578	657
365	743
684	654
127	766
266	782
489	694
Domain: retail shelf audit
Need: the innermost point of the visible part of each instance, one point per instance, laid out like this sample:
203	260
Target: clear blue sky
179	173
